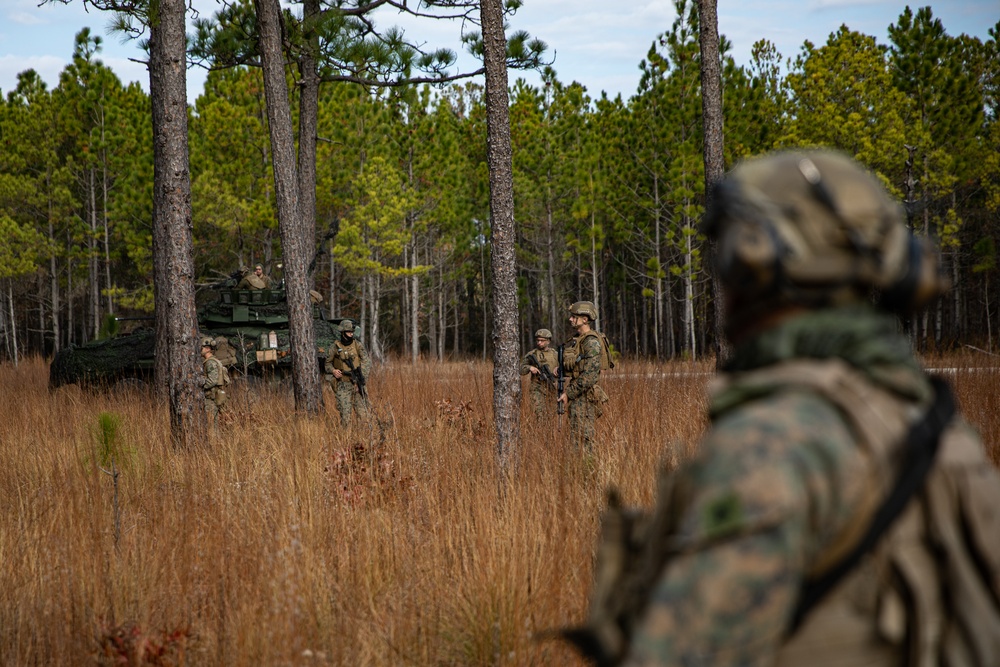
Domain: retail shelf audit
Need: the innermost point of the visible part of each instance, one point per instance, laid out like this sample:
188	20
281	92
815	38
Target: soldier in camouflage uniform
214	382
542	364
810	433
345	353
255	280
583	394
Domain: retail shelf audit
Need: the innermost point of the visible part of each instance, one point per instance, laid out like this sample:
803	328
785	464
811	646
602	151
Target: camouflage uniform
541	390
809	434
584	374
345	391
253	281
776	480
213	384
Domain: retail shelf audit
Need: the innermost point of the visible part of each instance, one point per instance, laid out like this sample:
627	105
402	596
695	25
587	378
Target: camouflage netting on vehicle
103	360
326	334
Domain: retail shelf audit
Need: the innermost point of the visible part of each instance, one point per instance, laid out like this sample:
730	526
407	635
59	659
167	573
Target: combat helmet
345	325
584	308
543	333
814	228
208	341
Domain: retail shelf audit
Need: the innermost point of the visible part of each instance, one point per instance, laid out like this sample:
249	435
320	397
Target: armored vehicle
250	327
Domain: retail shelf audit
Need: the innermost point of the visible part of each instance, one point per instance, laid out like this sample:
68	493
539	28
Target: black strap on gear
922	444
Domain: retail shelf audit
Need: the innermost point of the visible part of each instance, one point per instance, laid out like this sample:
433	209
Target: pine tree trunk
658	292
711	107
308	124
550	271
415	309
70	319
334	285
54	290
506	381
93	273
295	251
12	329
177	348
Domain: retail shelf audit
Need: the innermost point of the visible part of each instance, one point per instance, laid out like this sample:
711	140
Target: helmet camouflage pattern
543	333
814	228
584	308
345	325
207	341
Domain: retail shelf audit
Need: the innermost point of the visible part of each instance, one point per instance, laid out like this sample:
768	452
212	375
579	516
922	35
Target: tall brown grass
285	540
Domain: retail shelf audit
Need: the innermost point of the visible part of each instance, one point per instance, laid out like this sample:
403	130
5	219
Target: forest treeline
608	192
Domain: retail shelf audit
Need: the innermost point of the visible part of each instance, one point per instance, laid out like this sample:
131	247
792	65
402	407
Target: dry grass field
286	541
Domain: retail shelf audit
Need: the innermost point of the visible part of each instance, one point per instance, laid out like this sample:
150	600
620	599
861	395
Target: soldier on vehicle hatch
347	368
543	366
584	357
837	512
255	280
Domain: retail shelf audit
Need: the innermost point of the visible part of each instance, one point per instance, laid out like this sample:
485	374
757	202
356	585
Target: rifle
560	406
544	370
357	378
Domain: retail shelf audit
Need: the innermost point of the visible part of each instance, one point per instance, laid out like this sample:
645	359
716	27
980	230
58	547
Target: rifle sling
922	443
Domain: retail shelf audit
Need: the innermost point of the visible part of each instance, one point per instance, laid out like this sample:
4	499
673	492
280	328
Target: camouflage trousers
212	410
582	416
348	401
541	399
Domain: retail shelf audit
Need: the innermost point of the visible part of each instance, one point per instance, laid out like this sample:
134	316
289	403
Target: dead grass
286	541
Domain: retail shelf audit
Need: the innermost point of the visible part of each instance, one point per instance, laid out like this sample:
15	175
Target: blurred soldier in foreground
837	511
255	280
214	384
583	358
347	369
543	367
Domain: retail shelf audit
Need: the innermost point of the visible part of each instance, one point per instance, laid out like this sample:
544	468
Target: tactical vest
942	604
223	374
340	353
548	358
217	393
571	351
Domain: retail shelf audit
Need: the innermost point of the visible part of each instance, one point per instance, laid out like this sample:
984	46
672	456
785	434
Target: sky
595	42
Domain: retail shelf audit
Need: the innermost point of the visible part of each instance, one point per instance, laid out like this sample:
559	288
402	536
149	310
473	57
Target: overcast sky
596	42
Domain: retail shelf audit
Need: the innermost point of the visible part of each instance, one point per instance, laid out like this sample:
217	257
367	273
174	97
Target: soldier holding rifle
583	358
347	368
542	366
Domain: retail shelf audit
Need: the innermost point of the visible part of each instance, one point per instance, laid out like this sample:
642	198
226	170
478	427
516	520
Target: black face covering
346	338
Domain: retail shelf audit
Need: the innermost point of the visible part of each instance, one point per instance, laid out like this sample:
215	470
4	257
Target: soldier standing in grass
542	364
582	360
214	384
345	355
837	511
